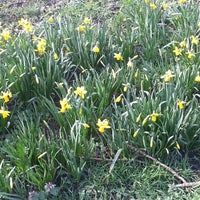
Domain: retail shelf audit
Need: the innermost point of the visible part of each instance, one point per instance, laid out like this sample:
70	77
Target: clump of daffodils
26	25
41	46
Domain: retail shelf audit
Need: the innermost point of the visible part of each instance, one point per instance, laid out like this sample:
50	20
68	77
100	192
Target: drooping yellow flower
80	91
153	6
6	96
6	35
164	6
145	120
154	117
102	125
22	22
4	113
86	125
138	118
86	21
178	146
168	76
177	51
51	20
190	55
64	105
95	49
180	104
81	28
197	79
118	99
55	56
136	74
194	40
146	1
136	133
118	56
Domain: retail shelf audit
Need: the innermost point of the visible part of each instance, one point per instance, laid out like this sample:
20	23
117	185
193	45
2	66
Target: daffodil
118	99
51	20
130	63
168	76
80	91
28	27
86	21
154	117
64	105
153	6
190	55
6	96
55	56
41	47
6	35
180	104
197	79
4	113
183	44
95	49
164	6
138	118
136	133
194	40
177	51
102	125
86	125
81	28
118	56
182	1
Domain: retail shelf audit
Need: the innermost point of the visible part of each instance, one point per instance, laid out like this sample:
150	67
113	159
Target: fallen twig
187	184
157	162
184	184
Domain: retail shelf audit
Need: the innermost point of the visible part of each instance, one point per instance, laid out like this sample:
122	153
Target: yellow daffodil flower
51	20
130	63
55	56
64	105
86	21
4	113
177	51
180	104
6	96
81	28
154	117
95	49
197	79
153	6
168	75
164	6
194	40
80	91
118	56
118	99
6	35
102	125
190	55
183	44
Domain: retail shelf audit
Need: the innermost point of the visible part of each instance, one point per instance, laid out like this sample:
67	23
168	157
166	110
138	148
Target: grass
79	80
